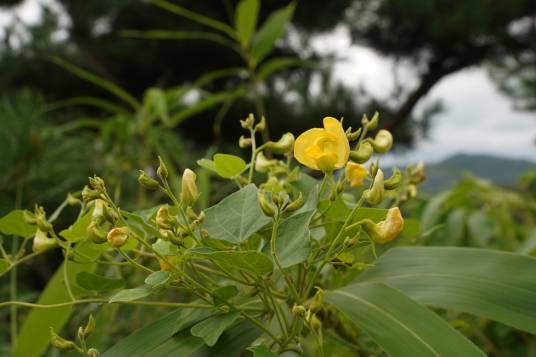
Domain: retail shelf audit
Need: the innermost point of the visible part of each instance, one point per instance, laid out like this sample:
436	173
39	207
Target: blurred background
105	86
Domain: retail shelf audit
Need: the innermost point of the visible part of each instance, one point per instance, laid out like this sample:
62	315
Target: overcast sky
477	118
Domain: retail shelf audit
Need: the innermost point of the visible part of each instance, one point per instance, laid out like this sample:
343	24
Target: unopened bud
315	322
283	145
72	201
374	195
383	141
417	174
189	193
244	142
411	191
262	164
163	219
147	181
363	152
373	123
298	311
90	327
97	184
95	233
248	122
162	170
89	194
392	182
266	207
386	230
29	217
260	125
41	219
318	300
42	242
191	214
59	342
355	174
351	242
92	352
117	237
353	135
296	204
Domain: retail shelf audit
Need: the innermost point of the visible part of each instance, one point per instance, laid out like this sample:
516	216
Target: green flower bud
373	123
97	184
59	342
318	300
109	214
295	205
90	327
374	195
363	152
164	219
147	181
189	192
162	170
41	219
72	201
392	182
244	142
248	122
283	146
42	242
95	233
417	174
117	237
383	141
192	215
353	136
262	164
266	206
89	195
92	352
299	311
29	217
386	230
260	125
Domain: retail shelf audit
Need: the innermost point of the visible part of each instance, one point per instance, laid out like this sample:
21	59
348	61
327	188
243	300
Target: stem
65	273
253	154
133	262
13	296
104	301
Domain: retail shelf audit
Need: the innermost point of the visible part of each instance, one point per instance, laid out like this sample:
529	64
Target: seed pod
117	237
363	152
392	182
147	181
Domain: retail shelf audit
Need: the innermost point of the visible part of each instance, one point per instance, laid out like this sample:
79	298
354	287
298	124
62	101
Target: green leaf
178	35
34	335
91	281
163	247
157	278
293	244
207	164
433	211
246	260
224	293
398	324
142	341
228	166
237	217
529	245
4	266
280	63
262	351
270	32
492	284
13	224
246	15
211	329
130	294
77	231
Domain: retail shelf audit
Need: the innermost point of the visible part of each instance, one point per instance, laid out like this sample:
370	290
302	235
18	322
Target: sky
477	118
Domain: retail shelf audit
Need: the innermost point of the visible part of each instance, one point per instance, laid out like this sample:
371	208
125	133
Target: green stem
65	273
105	301
253	154
133	262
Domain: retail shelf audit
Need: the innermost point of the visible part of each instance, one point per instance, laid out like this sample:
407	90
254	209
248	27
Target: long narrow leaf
179	35
498	285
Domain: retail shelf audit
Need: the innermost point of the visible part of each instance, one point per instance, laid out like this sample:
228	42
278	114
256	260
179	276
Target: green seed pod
392	182
382	142
363	152
283	146
148	182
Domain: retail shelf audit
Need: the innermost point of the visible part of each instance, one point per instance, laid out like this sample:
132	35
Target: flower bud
411	191
383	141
248	122
260	125
92	352
97	184
41	220
89	195
266	207
373	123
163	219
117	237
72	201
283	146
392	182
295	205
162	170
262	164
95	233
417	174
90	327
109	214
244	142
189	193
355	174
42	242
299	311
353	135
314	322
191	214
29	217
318	300
363	152
374	195
147	181
351	242
59	342
386	230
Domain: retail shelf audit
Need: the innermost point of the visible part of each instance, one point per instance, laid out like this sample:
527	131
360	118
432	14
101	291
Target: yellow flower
355	174
388	229
324	149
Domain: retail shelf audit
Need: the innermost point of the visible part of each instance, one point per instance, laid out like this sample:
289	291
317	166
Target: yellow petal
304	141
355	174
342	147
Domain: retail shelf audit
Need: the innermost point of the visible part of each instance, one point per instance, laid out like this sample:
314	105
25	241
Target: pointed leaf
130	294
14	224
247	12
292	244
246	260
77	231
91	281
157	278
398	324
211	329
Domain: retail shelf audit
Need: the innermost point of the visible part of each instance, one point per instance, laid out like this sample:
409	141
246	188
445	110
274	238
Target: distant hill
501	171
